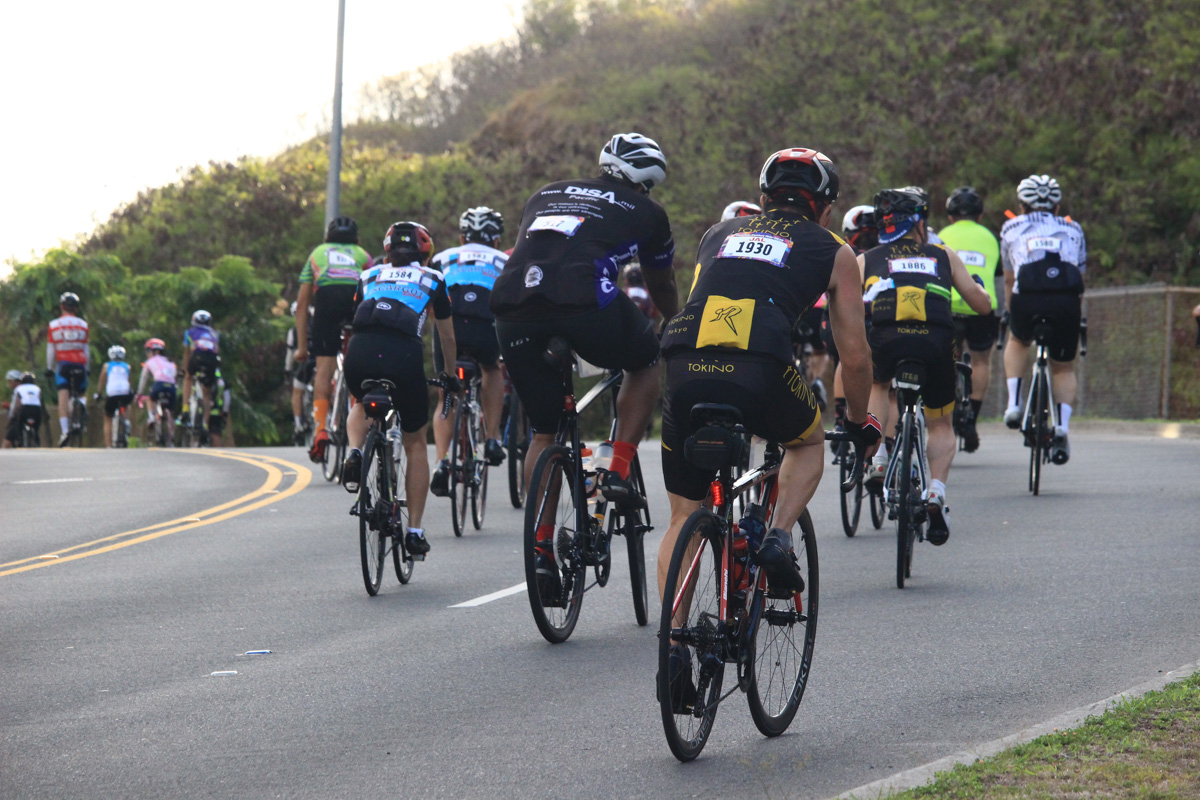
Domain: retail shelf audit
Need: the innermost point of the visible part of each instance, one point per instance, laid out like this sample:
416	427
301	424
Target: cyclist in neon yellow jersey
328	280
980	254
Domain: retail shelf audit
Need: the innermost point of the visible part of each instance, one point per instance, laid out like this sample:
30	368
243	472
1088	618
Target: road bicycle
381	506
961	417
28	435
77	404
717	604
192	431
517	433
564	497
339	412
907	473
468	466
851	501
120	429
1041	416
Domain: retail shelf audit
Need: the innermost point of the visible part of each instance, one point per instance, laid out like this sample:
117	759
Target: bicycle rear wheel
851	501
554	501
691	617
401	560
516	441
784	640
1037	418
373	513
905	522
479	472
78	422
460	464
636	525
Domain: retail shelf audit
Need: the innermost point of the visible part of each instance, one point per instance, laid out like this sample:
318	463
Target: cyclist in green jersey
328	281
979	251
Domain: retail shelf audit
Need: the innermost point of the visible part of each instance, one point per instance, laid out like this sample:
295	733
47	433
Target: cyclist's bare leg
443	429
799	474
537	443
356	426
981	373
1063	382
108	425
187	387
681	509
323	389
64	409
493	400
940	445
416	476
206	400
297	402
635	403
881	404
1016	358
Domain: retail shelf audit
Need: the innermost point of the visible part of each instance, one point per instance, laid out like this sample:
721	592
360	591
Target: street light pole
333	186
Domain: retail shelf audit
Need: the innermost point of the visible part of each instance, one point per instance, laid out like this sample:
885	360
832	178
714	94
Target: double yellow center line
278	472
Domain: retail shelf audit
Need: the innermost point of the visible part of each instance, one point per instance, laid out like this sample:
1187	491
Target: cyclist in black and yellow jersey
908	283
731	343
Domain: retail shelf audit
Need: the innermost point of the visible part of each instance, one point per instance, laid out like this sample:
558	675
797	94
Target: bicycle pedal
416	556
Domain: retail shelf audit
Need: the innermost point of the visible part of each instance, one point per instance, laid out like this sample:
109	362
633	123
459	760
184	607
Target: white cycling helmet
636	158
201	317
854	221
13	375
740	208
1039	193
116	353
481	223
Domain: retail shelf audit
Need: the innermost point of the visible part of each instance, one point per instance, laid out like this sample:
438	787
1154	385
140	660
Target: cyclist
327	283
471	270
159	371
26	404
201	354
908	283
1044	258
67	356
980	254
393	300
740	208
731	343
118	388
561	280
301	375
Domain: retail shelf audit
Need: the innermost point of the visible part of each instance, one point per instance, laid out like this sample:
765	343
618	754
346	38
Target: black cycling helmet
897	211
799	174
411	238
28	377
481	224
633	275
964	202
69	300
342	230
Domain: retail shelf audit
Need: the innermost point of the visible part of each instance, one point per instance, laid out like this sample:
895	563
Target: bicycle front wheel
373	513
516	441
1037	418
636	525
460	463
479	470
553	508
852	500
692	634
905	515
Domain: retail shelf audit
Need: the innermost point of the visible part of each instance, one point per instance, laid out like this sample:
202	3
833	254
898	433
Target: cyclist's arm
1010	280
661	285
850	333
100	382
657	257
973	293
289	358
50	355
141	387
445	326
303	300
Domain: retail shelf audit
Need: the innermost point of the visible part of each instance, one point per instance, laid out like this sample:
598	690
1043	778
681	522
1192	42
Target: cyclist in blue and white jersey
471	270
118	390
1044	256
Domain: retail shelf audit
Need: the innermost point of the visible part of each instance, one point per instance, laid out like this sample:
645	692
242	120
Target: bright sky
105	99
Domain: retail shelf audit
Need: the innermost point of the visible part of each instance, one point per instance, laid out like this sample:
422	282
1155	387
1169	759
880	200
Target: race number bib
971	258
758	246
1046	243
400	275
340	259
564	224
925	266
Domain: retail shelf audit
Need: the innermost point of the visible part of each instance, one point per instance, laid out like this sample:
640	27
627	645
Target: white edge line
487	598
919	776
53	480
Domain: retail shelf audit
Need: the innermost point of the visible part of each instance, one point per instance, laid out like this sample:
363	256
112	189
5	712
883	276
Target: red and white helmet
740	208
156	345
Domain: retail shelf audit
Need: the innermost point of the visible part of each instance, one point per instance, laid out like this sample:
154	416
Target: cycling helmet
157	345
13	375
740	208
964	202
408	237
897	211
636	158
202	317
69	300
342	230
1039	193
633	275
292	310
858	219
116	353
28	377
481	224
799	173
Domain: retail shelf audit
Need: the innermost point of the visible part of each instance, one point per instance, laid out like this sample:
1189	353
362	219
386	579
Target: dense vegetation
1099	93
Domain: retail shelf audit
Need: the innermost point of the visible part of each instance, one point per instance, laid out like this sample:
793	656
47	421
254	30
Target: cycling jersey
471	271
574	238
117	382
28	394
400	297
67	341
908	282
755	277
158	369
1054	244
332	264
202	338
980	254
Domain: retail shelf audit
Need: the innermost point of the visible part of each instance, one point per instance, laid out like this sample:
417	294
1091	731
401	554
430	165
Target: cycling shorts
333	308
385	354
75	373
1064	310
617	336
303	374
163	389
15	421
216	423
980	332
775	402
115	401
203	366
931	344
474	338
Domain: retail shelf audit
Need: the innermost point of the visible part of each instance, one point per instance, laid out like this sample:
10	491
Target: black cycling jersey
755	277
398	298
907	281
575	237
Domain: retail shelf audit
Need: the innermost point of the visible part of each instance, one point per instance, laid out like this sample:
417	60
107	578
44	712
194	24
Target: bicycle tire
701	544
776	654
459	463
516	442
479	482
555	466
372	534
331	465
401	560
78	422
1038	418
119	422
904	515
851	502
636	524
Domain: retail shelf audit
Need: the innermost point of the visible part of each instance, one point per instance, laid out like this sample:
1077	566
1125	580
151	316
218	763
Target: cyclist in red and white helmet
159	372
740	208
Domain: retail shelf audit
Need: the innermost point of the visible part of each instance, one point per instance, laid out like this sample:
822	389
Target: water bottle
604	455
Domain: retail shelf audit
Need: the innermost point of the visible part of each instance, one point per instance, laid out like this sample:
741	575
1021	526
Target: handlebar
856	473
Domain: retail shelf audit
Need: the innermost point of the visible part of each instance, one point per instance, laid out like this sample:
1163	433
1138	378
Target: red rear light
462	374
718	494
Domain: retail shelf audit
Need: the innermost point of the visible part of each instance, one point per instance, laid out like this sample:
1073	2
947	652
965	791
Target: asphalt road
1035	606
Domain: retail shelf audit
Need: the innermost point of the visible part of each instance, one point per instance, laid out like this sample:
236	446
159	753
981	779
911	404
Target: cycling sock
881	455
1064	415
545	534
320	411
937	487
64	423
298	421
418	531
623	455
1014	391
975	406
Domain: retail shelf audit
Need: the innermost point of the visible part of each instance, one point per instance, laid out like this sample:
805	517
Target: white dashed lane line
487	598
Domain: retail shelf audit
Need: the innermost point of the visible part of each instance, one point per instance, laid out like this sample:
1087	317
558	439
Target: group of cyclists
68	356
